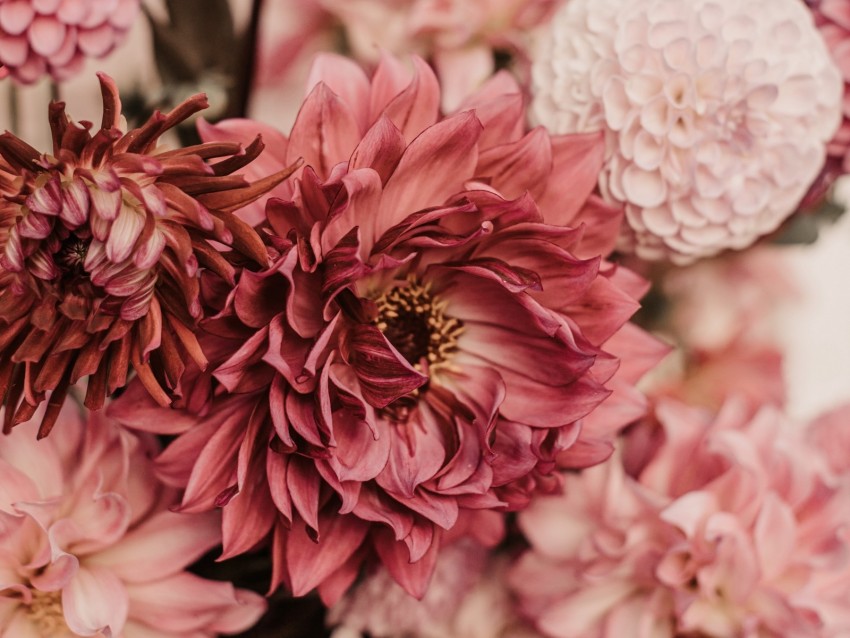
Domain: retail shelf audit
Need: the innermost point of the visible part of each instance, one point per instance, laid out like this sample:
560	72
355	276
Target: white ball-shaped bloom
717	112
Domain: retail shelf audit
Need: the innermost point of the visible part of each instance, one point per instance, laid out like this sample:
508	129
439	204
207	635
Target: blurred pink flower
467	599
716	113
88	545
39	37
732	529
709	377
428	343
736	297
459	37
101	242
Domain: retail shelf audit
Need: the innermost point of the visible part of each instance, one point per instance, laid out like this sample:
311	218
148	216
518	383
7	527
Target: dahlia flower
732	529
89	546
100	248
716	113
427	344
54	37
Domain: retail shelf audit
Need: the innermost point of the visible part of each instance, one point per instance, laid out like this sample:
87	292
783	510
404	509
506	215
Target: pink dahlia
426	346
716	113
100	248
89	545
54	37
733	528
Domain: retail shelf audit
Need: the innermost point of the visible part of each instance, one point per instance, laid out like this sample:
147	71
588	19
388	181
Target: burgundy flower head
100	249
427	344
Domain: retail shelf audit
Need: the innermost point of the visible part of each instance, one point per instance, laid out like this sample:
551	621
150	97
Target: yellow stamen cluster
416	323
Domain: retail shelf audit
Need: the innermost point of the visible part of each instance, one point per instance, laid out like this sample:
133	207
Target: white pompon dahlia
717	112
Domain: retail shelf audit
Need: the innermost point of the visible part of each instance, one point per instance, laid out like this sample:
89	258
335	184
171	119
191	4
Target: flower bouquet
422	319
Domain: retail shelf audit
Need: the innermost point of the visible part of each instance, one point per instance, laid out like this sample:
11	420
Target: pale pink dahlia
54	37
88	545
734	528
101	243
426	347
716	113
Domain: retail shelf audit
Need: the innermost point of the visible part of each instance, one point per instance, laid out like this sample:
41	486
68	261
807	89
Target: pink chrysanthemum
717	113
100	248
54	37
734	528
89	546
426	347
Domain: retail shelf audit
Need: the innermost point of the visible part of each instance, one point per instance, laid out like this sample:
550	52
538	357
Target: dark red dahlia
101	243
427	345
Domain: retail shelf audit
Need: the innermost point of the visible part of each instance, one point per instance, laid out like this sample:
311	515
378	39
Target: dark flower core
415	322
72	255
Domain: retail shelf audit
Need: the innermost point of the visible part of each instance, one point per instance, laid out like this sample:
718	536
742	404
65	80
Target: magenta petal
416	108
383	373
600	223
303	482
325	132
525	165
499	106
213	471
438	162
417	452
577	160
413	577
308	562
374	505
380	149
359	456
345	78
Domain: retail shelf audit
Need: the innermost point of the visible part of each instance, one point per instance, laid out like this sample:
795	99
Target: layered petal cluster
88	545
54	37
735	527
427	344
101	244
717	113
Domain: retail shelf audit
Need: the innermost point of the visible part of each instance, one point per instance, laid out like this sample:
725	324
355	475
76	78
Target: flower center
72	254
45	612
415	322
